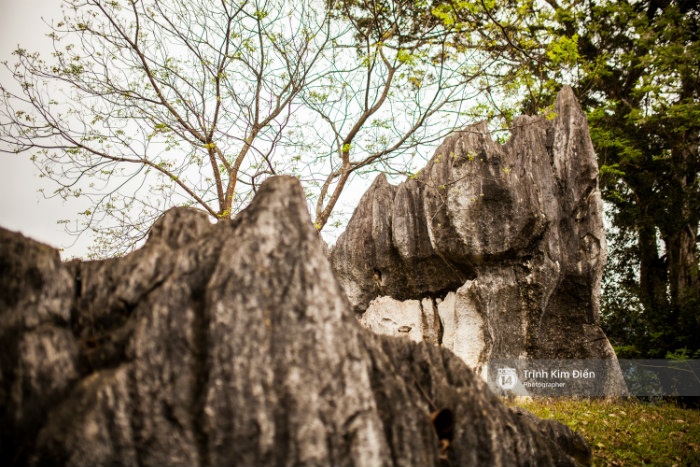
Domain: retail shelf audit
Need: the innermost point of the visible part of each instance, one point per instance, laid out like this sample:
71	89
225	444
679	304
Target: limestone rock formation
506	240
233	344
418	320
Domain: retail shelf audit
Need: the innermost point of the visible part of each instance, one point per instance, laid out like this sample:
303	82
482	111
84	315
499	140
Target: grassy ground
628	433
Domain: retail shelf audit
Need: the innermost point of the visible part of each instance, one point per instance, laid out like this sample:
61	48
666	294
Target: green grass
627	432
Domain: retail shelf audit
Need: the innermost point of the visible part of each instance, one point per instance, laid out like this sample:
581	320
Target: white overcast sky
22	207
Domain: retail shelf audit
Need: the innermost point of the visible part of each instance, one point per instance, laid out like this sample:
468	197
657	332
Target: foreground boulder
233	344
504	244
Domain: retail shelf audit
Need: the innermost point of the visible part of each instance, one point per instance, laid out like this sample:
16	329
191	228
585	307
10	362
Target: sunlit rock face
234	344
506	240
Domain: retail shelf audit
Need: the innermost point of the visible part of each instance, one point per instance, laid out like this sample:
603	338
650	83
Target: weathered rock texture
507	241
233	344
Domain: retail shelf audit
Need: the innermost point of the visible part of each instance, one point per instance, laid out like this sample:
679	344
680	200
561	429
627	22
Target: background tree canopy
148	104
637	74
641	84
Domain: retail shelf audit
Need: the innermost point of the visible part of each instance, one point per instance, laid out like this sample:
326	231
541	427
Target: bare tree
153	103
197	93
401	79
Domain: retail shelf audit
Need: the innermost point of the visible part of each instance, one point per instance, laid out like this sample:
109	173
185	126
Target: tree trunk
653	274
681	243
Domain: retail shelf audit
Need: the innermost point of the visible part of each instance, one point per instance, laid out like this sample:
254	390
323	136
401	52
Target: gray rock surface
233	344
417	320
509	237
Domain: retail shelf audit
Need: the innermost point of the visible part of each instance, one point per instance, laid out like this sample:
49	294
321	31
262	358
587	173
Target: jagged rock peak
509	235
233	344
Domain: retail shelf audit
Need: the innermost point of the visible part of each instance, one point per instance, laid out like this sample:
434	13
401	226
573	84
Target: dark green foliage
637	74
642	90
379	20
